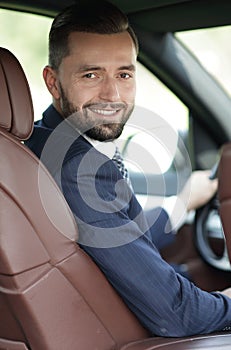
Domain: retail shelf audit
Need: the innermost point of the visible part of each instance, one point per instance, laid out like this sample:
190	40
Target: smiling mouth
105	112
106	109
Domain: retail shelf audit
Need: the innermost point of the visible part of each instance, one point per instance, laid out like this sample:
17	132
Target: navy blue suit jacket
116	233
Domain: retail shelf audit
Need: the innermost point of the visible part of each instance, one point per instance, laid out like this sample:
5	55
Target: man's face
96	82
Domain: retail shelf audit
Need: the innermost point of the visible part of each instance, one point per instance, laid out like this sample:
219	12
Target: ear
50	78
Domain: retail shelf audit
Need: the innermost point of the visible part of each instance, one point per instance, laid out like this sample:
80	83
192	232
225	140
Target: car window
154	95
154	101
26	36
212	49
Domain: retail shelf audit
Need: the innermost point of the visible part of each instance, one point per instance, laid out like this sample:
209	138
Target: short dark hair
87	16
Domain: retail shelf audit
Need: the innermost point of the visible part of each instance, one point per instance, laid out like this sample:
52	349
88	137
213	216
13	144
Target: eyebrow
131	67
86	68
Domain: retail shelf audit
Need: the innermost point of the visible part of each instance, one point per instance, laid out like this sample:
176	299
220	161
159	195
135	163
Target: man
91	76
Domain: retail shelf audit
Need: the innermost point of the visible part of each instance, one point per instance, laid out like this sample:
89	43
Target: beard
95	128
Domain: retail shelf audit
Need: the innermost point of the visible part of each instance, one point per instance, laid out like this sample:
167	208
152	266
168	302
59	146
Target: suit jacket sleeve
114	232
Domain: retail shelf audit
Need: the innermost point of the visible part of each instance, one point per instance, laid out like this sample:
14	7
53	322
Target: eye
125	75
90	75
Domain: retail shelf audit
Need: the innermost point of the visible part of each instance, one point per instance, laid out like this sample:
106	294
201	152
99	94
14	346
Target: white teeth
104	112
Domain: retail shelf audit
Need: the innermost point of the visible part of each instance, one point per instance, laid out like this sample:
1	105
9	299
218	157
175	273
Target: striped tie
119	162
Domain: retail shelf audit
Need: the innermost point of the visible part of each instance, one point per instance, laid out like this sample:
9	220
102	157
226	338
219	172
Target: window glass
154	95
159	116
26	36
211	47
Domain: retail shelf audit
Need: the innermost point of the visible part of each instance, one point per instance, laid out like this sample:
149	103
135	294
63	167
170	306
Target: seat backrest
224	193
52	295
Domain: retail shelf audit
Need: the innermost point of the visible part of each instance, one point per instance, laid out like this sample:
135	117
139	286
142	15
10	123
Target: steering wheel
209	236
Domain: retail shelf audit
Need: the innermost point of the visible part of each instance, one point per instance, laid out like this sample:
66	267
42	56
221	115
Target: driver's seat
52	295
224	193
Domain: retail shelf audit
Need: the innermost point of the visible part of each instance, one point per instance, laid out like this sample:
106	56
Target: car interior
52	295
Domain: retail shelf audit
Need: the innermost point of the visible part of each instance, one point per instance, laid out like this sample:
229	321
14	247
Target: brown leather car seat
52	296
224	193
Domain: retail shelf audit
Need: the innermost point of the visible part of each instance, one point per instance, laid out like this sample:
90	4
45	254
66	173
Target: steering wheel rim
207	226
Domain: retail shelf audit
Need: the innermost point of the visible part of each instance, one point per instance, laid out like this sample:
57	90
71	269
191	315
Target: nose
109	90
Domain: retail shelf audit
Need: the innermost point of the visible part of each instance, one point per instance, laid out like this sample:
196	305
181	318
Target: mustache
111	105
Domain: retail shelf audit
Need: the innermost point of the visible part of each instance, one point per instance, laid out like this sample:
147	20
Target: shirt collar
107	147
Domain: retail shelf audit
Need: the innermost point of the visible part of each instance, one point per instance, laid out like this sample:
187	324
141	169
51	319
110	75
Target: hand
226	292
202	189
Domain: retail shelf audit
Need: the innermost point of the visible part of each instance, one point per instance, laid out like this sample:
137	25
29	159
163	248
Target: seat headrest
16	108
